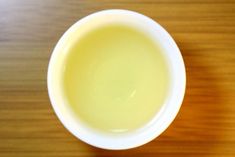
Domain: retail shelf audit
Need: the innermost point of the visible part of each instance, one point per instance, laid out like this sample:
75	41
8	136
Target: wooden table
205	33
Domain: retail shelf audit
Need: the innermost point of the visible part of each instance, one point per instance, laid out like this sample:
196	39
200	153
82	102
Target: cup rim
158	124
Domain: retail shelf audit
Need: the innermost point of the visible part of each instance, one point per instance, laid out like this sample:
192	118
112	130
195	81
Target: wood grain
205	33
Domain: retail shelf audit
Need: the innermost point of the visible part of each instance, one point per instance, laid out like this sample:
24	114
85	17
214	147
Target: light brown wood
205	33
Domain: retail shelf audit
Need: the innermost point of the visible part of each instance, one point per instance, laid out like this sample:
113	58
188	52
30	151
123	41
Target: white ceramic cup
162	119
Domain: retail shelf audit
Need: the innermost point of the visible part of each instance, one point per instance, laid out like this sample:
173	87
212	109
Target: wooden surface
205	33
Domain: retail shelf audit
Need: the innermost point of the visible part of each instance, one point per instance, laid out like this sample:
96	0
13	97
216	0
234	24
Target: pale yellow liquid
116	79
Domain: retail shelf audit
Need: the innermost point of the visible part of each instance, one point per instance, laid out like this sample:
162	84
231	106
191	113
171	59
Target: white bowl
161	120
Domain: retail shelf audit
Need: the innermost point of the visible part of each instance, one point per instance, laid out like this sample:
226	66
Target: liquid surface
115	79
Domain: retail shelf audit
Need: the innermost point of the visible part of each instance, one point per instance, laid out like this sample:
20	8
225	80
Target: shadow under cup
116	83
